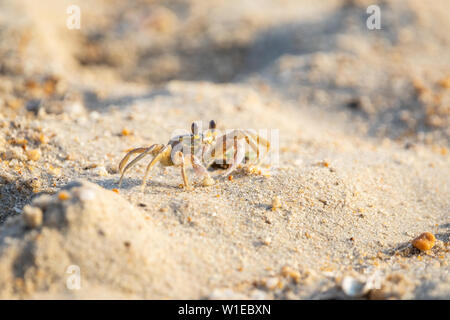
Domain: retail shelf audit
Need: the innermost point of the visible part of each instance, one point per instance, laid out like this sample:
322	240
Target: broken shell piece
353	287
272	283
100	171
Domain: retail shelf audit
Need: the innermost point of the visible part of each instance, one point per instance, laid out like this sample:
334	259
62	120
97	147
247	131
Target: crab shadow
132	183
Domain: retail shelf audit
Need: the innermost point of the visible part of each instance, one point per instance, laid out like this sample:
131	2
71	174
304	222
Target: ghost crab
201	150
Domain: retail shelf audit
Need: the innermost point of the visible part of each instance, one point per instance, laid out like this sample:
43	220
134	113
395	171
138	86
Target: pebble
208	181
287	271
100	171
94	115
276	203
34	154
424	242
272	283
126	132
32	216
63	195
267	241
353	287
74	108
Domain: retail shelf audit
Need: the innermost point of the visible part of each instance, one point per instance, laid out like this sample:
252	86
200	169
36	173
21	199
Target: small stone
126	132
94	115
267	241
112	169
424	242
74	108
101	171
353	287
445	83
272	283
287	271
208	181
34	154
276	203
63	195
34	184
55	171
43	139
32	216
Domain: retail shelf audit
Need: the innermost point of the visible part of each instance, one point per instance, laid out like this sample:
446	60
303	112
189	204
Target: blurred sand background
364	120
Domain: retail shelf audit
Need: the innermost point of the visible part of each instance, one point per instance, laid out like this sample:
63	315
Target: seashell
353	287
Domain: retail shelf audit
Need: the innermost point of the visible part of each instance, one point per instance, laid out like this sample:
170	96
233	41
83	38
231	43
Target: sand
363	166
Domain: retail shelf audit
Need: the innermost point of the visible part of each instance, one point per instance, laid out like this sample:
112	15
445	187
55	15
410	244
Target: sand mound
90	228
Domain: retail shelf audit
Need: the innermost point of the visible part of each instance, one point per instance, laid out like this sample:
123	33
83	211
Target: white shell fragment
357	288
100	171
353	287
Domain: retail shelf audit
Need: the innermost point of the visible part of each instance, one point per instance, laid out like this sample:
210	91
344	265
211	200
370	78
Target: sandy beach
363	159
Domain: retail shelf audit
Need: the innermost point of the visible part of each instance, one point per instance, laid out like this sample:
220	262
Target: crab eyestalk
209	136
194	128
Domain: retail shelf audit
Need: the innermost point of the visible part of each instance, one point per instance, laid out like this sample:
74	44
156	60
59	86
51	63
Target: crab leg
124	161
253	145
258	139
132	163
239	155
250	137
165	152
183	171
201	171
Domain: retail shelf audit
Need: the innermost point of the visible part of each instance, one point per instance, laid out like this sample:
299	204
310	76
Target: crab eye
212	124
194	128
